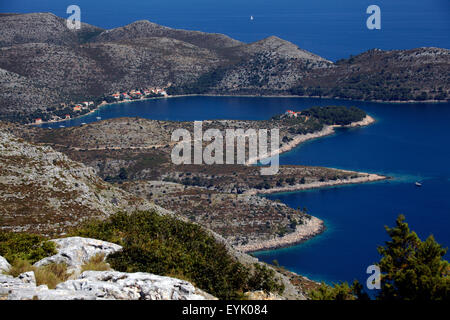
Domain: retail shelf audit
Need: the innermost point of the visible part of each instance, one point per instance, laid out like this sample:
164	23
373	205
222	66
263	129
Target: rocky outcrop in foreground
4	265
76	251
101	285
93	285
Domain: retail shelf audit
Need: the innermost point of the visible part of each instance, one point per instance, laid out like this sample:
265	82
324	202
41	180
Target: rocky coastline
312	227
326	131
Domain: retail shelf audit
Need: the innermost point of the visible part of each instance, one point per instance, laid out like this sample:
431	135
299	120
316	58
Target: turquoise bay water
409	142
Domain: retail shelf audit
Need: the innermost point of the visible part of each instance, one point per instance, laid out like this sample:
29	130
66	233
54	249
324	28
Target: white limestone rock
9	284
64	295
76	251
4	265
133	286
96	285
102	285
27	277
24	288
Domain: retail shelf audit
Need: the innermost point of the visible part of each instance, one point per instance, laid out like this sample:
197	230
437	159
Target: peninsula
135	155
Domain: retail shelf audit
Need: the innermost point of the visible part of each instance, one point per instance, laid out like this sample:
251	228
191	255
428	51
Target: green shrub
411	269
338	292
335	115
25	246
263	278
167	246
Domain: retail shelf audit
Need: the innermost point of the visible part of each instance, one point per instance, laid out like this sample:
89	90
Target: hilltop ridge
44	64
145	29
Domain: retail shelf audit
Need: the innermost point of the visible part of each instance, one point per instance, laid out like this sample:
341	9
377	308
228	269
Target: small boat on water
99	118
418	184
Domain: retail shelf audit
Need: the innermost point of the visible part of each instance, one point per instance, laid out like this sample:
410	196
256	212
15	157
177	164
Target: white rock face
76	251
11	283
102	285
96	285
27	277
132	286
4	265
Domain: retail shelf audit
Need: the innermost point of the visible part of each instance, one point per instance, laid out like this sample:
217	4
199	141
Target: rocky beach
309	229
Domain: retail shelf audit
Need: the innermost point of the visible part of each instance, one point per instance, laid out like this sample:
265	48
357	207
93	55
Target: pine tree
412	269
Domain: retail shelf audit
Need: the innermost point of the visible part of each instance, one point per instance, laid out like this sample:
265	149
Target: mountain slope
21	94
271	65
43	191
41	28
416	74
45	64
146	29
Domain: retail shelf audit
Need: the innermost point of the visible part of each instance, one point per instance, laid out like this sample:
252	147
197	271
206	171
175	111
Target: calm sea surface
409	142
332	29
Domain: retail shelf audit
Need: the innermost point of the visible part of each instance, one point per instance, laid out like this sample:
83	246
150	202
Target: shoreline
311	97
313	227
367	177
101	105
301	138
240	96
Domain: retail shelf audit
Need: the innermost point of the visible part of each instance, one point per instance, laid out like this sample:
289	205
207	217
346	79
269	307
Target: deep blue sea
409	142
332	29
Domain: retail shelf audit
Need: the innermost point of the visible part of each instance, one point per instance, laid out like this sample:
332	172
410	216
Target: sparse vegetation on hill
135	153
43	191
238	218
43	64
398	75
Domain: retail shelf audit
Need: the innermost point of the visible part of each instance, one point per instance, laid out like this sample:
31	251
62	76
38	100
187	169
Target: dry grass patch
49	275
96	263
